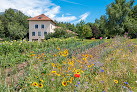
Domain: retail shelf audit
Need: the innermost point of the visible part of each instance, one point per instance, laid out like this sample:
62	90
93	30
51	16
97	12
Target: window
33	33
45	33
39	33
36	26
42	26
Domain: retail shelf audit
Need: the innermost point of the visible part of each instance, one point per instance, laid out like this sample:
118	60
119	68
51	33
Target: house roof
67	30
41	17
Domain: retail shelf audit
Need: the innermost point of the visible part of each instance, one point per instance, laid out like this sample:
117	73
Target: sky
61	10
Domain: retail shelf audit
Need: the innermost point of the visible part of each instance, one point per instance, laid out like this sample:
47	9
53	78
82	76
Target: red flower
77	75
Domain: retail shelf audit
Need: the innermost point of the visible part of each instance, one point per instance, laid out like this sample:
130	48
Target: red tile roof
67	30
41	17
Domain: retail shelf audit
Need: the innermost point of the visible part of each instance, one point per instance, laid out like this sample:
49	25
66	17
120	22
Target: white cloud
68	14
52	12
29	7
70	2
36	7
82	17
65	19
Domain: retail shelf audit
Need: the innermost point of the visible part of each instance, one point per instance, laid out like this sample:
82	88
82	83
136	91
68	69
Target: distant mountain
1	13
15	10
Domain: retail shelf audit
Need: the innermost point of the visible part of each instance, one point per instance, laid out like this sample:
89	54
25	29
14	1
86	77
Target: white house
39	26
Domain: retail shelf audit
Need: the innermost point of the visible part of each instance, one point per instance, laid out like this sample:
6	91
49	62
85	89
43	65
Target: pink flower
52	79
101	37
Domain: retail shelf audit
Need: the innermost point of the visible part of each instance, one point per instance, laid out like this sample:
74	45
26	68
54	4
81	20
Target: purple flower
126	83
76	85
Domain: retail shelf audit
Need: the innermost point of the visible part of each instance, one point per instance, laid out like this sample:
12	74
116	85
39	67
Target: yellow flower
64	83
86	56
84	59
69	68
35	84
77	72
53	64
90	56
53	71
54	55
58	74
37	57
41	80
58	48
89	66
70	81
64	55
41	85
36	76
116	81
72	78
64	62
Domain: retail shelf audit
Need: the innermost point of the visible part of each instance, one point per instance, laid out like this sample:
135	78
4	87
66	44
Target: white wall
47	28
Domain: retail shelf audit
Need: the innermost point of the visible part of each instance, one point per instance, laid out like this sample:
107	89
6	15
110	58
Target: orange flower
31	84
42	73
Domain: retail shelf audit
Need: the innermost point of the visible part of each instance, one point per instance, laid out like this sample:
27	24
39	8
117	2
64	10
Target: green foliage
118	12
1	29
59	33
83	30
16	30
14	24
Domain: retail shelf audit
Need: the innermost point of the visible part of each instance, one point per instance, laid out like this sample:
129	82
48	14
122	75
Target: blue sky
61	10
94	8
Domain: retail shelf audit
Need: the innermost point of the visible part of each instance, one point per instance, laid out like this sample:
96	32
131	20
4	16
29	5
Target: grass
64	70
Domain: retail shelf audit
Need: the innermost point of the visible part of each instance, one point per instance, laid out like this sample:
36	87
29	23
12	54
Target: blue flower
102	70
124	87
102	81
76	85
78	82
126	83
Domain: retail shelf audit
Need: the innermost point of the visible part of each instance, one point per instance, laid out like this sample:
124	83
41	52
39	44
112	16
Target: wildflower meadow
69	65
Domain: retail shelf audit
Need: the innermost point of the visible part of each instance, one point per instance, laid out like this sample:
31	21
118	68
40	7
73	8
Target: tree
95	31
86	31
16	30
1	30
13	18
83	30
103	26
118	12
